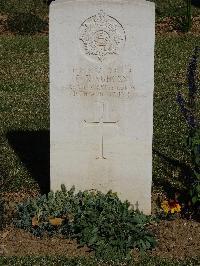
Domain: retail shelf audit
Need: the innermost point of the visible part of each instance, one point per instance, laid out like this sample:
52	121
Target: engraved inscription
116	81
101	36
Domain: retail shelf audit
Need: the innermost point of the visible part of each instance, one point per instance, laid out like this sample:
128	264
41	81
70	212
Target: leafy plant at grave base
190	111
107	225
38	215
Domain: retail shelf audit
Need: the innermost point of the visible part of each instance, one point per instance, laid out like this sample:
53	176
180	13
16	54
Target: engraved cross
101	123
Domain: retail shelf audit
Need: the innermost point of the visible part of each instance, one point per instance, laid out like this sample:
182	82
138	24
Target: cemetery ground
24	145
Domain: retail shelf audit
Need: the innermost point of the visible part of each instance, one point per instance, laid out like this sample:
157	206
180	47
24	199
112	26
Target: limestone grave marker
101	96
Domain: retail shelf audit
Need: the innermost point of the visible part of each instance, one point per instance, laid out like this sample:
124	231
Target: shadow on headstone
196	3
33	148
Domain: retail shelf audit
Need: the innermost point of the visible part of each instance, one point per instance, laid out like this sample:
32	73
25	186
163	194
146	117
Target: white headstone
101	96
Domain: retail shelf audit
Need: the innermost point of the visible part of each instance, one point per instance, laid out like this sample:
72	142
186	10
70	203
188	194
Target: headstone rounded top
137	1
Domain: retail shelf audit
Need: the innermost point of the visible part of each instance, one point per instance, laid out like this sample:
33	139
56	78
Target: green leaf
194	199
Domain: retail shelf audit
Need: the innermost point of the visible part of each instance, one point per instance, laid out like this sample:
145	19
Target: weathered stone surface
101	96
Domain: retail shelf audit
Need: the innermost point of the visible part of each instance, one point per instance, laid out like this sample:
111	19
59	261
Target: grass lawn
62	261
170	154
24	110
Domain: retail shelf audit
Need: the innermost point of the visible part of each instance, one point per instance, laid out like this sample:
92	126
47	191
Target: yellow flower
35	221
171	206
55	221
165	206
172	210
176	208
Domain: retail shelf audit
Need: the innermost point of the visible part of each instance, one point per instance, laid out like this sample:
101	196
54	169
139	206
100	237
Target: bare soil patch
3	23
169	26
17	242
177	239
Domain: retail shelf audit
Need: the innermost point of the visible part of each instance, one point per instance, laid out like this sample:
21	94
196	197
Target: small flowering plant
189	108
170	207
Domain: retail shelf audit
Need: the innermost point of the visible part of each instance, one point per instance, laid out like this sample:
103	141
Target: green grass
33	6
170	154
62	261
24	110
24	105
170	8
164	8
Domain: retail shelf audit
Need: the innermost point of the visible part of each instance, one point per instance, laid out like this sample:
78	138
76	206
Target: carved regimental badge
101	36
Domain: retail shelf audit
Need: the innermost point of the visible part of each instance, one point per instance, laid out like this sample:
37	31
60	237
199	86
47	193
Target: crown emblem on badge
101	36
